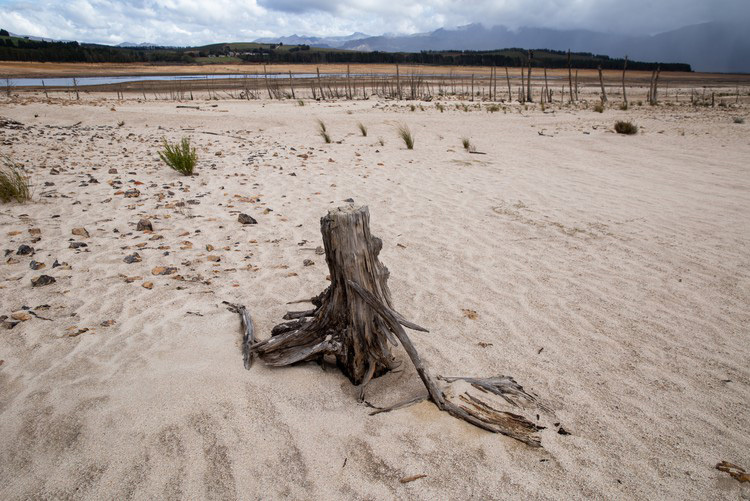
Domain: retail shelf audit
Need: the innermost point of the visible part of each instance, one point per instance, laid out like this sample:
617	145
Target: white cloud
189	22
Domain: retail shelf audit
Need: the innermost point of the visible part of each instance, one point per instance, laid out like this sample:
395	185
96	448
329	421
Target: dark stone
36	265
42	280
25	250
245	219
78	245
133	258
350	200
144	225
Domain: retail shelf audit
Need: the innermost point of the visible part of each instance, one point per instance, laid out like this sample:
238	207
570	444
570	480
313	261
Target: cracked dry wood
354	322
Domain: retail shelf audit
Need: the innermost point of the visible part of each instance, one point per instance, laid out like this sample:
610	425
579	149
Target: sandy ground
609	274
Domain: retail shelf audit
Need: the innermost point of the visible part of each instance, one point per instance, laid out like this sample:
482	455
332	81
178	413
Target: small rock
107	323
12	260
133	258
112	171
78	245
132	193
246	219
215	259
209	247
350	200
42	280
25	250
144	225
162	270
319	250
21	316
470	314
80	232
35	232
308	262
147	285
36	265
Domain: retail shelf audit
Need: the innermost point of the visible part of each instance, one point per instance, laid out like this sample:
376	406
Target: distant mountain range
325	42
710	47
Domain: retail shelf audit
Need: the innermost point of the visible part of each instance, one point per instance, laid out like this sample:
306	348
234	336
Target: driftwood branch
355	323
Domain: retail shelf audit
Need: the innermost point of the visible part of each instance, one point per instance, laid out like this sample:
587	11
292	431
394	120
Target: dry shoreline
608	274
15	69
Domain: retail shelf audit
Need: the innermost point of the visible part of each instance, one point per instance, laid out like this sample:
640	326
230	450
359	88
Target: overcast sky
191	22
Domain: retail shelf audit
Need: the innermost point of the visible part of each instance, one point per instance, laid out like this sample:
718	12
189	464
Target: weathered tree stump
342	325
354	322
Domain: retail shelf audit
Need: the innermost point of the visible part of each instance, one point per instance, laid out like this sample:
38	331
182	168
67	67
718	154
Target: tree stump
354	323
342	325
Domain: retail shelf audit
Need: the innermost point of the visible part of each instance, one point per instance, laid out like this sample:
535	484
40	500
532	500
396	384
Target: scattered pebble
21	316
246	219
144	225
25	250
42	280
133	258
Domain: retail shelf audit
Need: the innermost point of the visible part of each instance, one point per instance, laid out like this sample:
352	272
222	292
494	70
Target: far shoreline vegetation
26	50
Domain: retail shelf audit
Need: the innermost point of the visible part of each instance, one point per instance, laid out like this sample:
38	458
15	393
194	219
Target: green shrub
323	132
405	134
180	157
14	184
625	127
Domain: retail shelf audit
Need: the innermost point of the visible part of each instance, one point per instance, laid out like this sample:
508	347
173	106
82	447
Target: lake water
105	80
86	81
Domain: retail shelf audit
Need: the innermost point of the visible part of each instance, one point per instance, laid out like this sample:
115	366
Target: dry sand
610	275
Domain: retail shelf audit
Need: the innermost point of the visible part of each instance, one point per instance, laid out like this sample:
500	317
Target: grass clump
599	108
405	134
440	107
739	120
466	142
362	129
323	132
300	102
624	106
628	128
14	184
493	108
179	156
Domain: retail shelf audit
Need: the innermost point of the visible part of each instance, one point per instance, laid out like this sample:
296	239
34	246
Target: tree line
19	49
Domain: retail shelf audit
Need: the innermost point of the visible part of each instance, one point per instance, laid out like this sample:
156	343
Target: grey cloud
183	22
299	7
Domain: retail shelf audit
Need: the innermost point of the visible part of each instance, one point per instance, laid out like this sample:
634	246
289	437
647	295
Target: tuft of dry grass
628	128
739	120
14	183
405	134
323	132
466	142
599	108
362	129
179	156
